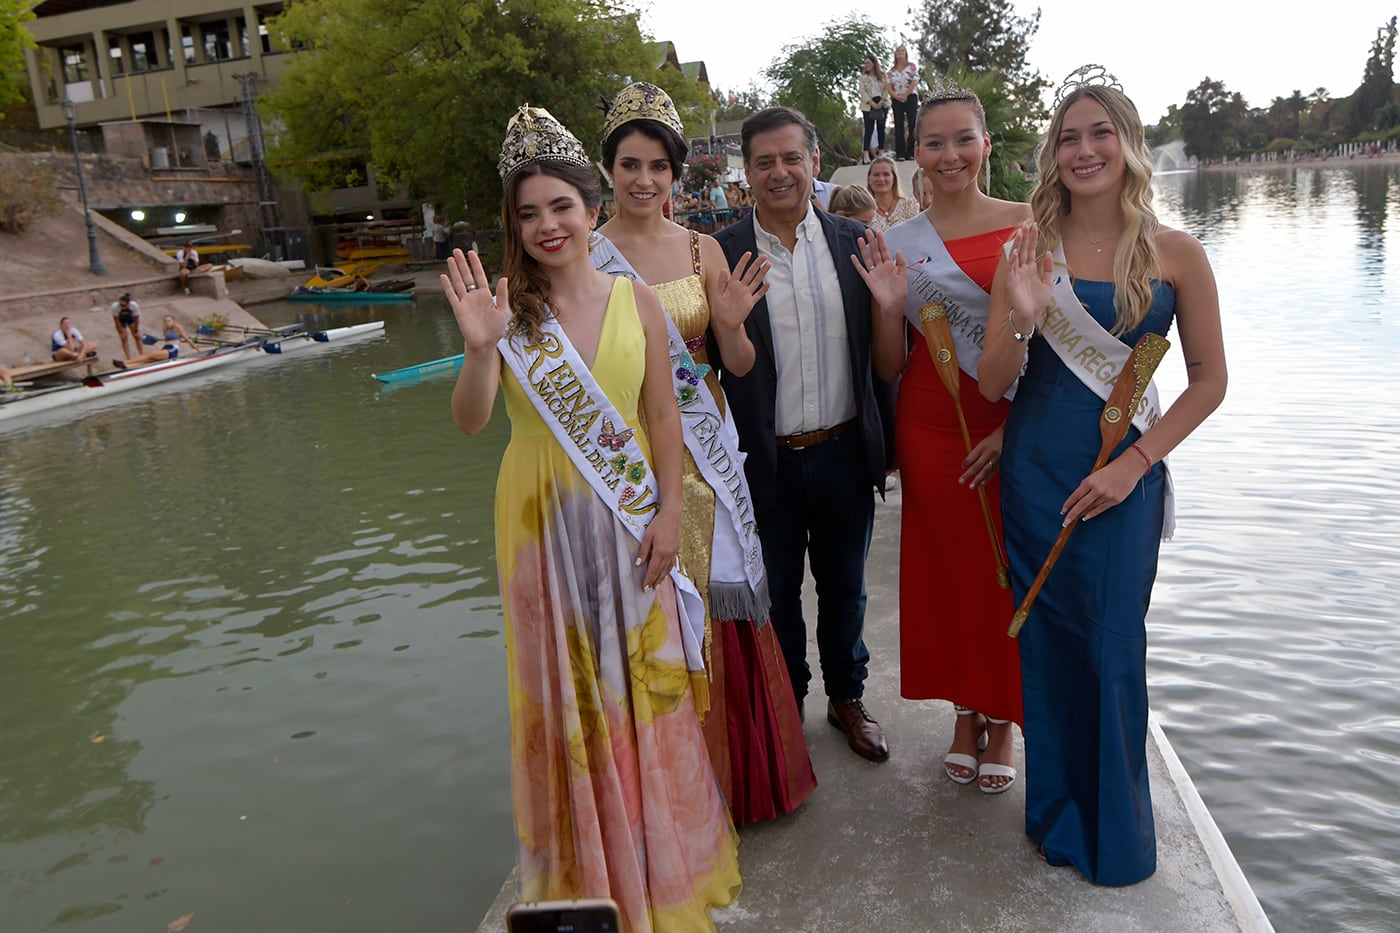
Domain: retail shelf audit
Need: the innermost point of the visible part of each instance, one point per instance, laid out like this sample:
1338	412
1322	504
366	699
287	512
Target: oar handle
1117	417
938	334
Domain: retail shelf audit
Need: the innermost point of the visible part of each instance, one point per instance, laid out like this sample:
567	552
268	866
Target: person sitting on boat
173	334
188	259
361	284
68	343
126	317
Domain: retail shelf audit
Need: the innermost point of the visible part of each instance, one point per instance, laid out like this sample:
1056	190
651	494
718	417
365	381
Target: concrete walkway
899	847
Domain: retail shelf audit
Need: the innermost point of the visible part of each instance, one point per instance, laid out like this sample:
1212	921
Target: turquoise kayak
430	368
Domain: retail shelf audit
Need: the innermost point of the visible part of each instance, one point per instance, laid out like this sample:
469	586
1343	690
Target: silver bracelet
1016	334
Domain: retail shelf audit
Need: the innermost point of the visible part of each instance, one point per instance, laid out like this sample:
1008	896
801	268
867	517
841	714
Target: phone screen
598	915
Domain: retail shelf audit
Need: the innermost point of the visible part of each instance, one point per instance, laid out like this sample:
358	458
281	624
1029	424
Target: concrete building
171	84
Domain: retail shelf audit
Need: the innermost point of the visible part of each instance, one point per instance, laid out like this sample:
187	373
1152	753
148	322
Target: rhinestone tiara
1087	76
940	88
532	136
642	101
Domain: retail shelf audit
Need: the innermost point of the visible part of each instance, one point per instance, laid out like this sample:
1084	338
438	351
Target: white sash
934	276
738	582
596	438
1096	357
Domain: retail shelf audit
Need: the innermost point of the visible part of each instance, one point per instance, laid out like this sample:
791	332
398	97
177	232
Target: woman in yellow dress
753	729
613	793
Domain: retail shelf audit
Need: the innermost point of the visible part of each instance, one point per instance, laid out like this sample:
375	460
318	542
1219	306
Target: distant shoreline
1388	158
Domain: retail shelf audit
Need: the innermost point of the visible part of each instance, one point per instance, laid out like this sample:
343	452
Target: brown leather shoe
863	733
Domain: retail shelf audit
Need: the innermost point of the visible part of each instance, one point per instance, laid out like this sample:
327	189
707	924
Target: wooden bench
40	371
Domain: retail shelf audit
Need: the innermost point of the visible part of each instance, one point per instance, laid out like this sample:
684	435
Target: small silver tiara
1087	76
940	88
533	135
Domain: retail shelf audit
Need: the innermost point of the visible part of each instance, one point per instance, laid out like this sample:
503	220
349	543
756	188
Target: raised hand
885	275
1028	280
739	292
481	319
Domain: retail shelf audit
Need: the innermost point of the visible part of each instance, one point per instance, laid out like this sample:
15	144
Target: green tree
1212	120
980	37
421	90
14	39
818	76
1371	107
736	105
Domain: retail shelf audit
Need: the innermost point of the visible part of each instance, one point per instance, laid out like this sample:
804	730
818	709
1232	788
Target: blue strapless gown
1084	647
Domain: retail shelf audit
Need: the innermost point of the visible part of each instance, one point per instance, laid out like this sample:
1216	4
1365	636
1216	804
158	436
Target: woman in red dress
953	608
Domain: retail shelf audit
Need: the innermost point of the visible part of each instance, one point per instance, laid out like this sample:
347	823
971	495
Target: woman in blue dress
1084	646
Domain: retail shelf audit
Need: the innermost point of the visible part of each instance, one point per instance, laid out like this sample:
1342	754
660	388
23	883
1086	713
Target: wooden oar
1117	417
938	333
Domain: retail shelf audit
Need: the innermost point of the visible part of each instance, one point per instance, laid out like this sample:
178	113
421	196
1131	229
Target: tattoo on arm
1191	363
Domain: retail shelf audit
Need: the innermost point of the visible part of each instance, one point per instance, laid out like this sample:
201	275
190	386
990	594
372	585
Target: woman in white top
874	105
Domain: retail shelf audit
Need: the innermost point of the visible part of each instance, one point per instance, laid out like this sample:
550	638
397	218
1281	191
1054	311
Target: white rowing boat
108	385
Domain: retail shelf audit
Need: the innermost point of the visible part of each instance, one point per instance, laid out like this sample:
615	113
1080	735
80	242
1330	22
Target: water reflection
1273	647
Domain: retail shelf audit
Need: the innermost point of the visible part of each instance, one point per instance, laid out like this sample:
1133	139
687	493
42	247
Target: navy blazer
753	397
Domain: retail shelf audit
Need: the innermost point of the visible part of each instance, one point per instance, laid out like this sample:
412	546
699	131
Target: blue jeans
825	513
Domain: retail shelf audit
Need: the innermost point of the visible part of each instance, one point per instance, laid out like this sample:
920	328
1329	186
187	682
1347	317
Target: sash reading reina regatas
738	582
934	276
596	438
1096	357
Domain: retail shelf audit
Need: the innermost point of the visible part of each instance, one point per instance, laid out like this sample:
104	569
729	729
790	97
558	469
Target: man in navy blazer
806	412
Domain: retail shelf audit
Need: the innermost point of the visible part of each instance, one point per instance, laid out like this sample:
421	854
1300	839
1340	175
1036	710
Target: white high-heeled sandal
994	769
959	760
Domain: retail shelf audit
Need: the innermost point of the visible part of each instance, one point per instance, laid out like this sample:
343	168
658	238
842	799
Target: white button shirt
808	319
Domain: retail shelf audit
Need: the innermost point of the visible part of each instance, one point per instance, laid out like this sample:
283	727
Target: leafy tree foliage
819	75
980	37
1212	120
1373	107
14	39
421	90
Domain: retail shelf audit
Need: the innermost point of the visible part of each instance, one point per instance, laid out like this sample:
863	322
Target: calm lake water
252	665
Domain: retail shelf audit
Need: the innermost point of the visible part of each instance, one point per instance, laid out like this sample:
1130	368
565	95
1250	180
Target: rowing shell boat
321	295
106	385
418	370
113	383
301	339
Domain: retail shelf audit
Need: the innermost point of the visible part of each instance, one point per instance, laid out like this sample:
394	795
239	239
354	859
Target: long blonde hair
1135	262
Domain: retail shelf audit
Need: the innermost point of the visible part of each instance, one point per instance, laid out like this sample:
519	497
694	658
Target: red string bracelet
1145	456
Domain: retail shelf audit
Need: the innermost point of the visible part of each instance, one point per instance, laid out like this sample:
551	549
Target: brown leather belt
813	438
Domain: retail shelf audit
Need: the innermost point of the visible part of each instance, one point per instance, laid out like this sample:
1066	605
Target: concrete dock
899	847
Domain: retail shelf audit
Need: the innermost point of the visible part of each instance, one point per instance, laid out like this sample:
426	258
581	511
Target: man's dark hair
773	118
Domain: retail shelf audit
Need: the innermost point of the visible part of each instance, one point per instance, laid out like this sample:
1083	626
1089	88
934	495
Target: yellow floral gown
613	791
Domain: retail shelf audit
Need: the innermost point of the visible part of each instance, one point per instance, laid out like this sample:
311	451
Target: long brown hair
529	285
1135	262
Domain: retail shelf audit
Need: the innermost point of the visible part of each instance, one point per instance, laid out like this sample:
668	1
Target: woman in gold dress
753	729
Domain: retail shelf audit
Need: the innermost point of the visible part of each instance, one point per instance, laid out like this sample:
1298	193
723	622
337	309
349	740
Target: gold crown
642	101
1087	76
533	135
940	88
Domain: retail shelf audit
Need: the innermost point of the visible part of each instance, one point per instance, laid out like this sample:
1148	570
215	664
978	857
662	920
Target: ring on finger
472	287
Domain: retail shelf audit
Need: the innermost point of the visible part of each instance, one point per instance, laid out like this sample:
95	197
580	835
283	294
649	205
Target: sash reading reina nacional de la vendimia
596	438
738	581
1096	357
934	276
